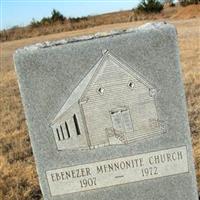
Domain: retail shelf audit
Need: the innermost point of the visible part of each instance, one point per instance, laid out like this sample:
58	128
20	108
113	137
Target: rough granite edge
47	44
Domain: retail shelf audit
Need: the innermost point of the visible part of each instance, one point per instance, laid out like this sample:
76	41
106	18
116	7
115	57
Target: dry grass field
18	178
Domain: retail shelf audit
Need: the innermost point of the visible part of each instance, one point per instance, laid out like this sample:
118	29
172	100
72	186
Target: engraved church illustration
112	105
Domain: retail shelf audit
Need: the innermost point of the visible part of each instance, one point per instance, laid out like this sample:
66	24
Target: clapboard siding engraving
111	105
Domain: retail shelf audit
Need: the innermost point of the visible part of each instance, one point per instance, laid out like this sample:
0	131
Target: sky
21	12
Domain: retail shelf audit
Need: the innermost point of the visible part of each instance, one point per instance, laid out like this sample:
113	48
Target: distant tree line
56	17
188	2
145	6
156	6
148	6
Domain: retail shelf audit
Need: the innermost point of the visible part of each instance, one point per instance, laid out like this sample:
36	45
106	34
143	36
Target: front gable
110	74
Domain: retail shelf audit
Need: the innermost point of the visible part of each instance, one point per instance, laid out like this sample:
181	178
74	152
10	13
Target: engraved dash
119	176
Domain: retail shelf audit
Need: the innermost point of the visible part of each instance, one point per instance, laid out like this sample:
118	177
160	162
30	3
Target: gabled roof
84	84
78	91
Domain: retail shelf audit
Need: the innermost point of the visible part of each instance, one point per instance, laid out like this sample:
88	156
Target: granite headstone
107	116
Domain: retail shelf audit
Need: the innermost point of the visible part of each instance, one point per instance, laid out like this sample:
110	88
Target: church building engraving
112	105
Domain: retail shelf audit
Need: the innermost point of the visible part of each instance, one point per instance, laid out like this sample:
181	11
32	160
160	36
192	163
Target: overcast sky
21	12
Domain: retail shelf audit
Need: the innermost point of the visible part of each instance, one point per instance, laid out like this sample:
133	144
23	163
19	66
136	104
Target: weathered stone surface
107	116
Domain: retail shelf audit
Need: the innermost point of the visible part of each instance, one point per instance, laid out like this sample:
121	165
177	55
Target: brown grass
18	179
104	19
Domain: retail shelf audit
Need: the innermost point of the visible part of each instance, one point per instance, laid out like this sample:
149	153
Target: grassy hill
70	24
